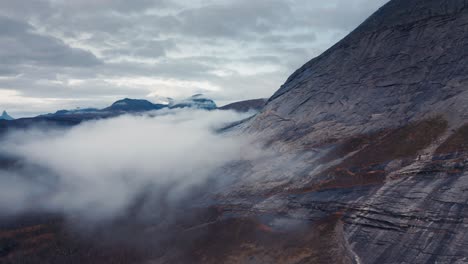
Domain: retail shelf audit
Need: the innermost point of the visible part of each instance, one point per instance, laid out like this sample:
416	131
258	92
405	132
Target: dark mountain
127	105
66	118
76	111
5	116
405	63
134	105
245	106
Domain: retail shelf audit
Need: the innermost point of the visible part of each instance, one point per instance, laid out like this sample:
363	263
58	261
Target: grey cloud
26	8
7	71
88	88
123	6
142	48
12	28
235	18
304	38
38	82
20	46
95	176
185	69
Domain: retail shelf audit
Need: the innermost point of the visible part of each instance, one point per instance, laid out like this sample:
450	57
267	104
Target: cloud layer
90	53
95	171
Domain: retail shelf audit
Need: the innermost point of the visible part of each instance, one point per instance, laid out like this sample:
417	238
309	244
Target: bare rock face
375	129
407	62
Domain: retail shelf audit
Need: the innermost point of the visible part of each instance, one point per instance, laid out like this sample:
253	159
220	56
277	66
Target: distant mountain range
128	105
123	106
134	105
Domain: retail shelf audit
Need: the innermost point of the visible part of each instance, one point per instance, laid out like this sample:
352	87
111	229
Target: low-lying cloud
98	169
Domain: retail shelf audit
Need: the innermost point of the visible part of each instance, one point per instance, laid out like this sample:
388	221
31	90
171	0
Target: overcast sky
61	54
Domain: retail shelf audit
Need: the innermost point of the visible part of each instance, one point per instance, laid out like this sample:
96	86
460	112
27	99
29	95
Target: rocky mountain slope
245	106
407	62
375	130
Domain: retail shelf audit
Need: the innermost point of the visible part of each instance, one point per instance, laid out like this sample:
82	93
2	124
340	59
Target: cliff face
406	62
375	129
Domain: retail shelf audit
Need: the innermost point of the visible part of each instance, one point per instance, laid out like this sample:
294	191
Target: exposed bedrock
376	128
407	62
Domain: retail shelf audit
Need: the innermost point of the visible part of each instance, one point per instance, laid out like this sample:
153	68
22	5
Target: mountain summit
134	105
6	116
